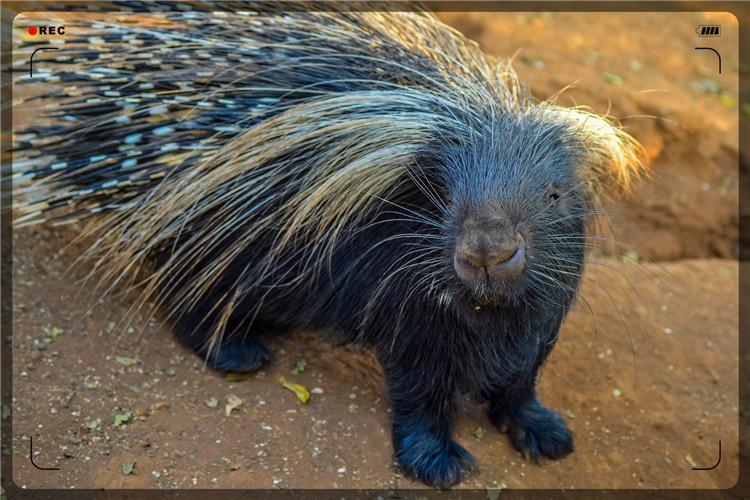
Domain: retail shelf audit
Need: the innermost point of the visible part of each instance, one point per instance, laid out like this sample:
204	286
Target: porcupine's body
371	175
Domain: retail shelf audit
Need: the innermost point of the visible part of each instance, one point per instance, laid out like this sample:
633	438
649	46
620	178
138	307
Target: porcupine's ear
609	160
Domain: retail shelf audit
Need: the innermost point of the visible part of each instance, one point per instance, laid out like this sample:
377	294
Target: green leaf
299	367
128	468
727	100
478	433
630	257
122	418
95	424
613	78
493	493
123	360
299	390
236	376
212	403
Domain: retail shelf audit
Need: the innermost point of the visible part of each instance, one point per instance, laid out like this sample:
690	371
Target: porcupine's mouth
489	293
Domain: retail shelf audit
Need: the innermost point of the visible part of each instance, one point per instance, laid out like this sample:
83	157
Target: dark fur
489	342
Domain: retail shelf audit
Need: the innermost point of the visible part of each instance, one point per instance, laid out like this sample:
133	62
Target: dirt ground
645	372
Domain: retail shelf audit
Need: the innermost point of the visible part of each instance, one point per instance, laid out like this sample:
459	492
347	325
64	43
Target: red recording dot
32	30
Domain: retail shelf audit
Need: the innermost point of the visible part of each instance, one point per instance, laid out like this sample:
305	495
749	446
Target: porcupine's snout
489	248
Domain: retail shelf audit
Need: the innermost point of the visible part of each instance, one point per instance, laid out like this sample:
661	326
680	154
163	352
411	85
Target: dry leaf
233	402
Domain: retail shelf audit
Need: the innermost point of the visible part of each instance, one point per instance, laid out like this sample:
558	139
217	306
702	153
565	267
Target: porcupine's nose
489	246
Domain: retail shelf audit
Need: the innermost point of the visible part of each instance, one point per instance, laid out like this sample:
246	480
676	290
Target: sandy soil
645	372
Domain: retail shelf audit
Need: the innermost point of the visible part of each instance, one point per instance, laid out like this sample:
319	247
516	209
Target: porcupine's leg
534	429
240	350
423	405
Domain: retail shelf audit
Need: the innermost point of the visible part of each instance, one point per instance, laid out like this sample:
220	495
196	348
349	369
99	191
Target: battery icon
708	30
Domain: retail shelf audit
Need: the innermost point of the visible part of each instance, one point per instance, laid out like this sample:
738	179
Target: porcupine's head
519	195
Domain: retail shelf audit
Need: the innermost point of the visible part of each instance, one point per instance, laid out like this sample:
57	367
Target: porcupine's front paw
435	462
239	355
536	431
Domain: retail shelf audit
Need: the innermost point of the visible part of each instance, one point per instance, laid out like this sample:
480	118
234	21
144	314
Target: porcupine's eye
554	194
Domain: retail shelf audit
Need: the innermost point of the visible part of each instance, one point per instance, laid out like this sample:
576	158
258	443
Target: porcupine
370	174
